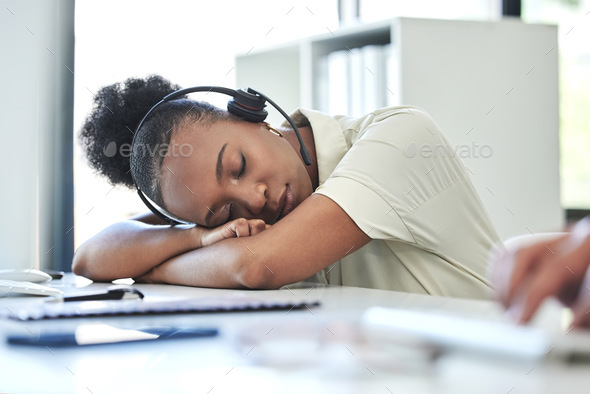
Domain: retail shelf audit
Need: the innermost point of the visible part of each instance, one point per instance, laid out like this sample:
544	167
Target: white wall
499	96
36	42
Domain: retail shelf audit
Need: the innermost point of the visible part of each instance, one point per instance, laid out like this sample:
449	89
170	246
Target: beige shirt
399	180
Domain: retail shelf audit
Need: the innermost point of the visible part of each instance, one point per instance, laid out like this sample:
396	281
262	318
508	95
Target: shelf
491	86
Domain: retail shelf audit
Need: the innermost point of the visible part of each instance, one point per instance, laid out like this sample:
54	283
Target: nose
255	197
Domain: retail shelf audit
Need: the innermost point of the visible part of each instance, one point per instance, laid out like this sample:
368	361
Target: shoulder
400	119
380	114
307	117
389	122
395	126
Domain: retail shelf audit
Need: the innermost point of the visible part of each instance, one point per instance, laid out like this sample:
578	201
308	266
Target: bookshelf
492	86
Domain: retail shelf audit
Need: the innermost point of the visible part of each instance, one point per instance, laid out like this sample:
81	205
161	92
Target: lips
287	202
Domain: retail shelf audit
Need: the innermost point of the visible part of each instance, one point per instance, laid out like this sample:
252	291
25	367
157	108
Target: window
572	17
191	43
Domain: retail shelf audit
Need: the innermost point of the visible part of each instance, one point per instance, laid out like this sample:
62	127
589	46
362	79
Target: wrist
196	237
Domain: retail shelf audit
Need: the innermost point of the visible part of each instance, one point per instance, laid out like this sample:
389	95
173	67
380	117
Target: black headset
246	104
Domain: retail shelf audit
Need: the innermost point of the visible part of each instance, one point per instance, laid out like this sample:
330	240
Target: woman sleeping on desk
384	203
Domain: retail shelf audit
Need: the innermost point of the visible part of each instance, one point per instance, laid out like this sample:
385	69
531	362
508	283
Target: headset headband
246	104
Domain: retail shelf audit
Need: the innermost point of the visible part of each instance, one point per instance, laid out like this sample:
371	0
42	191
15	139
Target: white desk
305	351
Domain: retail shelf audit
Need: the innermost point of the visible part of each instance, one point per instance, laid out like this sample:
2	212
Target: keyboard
8	286
442	332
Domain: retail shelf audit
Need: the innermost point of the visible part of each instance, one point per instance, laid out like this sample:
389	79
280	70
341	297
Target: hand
235	229
526	276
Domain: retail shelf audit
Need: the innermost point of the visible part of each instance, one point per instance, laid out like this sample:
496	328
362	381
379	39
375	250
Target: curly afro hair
117	110
107	134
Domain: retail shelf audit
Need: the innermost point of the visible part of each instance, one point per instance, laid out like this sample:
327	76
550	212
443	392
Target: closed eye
243	168
230	215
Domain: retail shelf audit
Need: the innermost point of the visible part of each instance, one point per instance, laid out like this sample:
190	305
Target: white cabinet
491	86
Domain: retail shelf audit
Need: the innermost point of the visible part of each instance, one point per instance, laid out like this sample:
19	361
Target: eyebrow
219	167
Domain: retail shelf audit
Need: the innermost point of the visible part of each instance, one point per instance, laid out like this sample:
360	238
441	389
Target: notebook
58	310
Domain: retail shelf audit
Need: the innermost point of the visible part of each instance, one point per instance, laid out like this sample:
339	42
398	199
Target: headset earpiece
248	105
245	113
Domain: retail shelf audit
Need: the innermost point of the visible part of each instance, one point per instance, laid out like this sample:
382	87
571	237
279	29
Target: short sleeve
400	180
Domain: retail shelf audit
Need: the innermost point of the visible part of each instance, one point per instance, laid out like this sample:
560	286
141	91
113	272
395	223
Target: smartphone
101	334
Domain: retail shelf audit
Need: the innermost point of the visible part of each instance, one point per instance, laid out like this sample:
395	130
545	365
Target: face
236	170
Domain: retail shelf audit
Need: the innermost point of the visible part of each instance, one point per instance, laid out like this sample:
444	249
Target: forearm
310	238
227	264
130	249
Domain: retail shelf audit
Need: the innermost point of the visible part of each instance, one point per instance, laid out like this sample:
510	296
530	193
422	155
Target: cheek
181	199
176	204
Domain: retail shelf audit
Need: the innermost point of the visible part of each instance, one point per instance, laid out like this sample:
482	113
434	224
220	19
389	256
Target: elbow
258	276
82	263
79	264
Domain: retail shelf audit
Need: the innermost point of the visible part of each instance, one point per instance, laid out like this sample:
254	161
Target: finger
581	309
241	227
581	306
228	231
576	263
582	317
582	314
578	242
549	279
220	233
211	236
257	226
510	268
524	262
561	275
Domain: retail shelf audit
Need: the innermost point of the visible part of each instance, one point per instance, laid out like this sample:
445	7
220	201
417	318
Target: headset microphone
248	105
